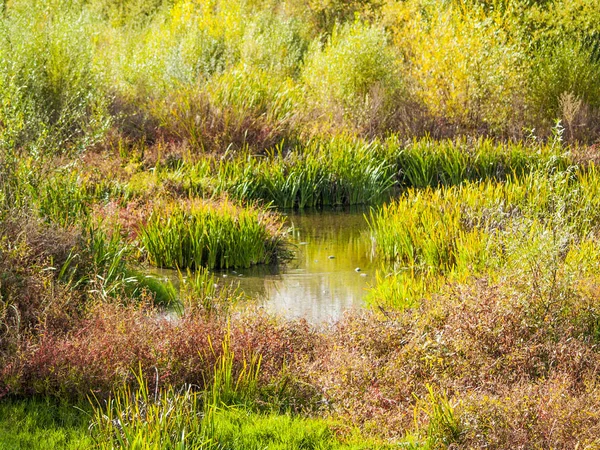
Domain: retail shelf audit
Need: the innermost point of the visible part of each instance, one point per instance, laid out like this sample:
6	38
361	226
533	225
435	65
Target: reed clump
205	234
438	228
340	172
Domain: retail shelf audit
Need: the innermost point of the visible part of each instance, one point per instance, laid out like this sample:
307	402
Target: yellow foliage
462	64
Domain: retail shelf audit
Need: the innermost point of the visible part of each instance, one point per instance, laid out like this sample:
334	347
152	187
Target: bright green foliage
463	64
199	290
143	419
449	234
432	226
51	96
102	264
63	199
340	172
220	417
353	73
424	230
230	73
43	425
274	44
426	163
347	171
175	420
206	235
564	83
400	290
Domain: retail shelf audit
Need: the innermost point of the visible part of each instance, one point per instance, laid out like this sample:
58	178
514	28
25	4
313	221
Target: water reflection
330	273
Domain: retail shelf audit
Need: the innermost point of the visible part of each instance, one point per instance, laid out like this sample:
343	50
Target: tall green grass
171	418
344	170
212	236
200	291
340	172
427	162
102	264
435	236
425	232
221	416
180	419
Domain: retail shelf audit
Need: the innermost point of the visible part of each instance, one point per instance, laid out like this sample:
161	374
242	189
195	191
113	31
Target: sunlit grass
43	425
211	235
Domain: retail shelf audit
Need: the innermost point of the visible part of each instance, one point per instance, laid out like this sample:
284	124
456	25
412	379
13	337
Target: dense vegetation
169	133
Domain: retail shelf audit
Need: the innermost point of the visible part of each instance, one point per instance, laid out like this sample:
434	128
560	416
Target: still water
330	273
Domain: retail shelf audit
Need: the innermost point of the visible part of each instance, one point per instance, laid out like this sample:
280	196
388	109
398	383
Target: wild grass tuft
200	291
211	235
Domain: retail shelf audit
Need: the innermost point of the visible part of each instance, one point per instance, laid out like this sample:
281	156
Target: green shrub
275	44
51	97
354	76
463	65
564	83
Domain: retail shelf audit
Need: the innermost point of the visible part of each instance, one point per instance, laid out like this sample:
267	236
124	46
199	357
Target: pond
330	273
332	268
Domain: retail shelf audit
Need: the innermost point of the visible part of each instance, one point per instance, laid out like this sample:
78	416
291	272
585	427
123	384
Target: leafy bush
564	85
463	65
275	44
354	76
52	97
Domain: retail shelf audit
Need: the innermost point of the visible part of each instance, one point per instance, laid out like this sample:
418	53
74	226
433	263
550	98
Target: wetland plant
210	235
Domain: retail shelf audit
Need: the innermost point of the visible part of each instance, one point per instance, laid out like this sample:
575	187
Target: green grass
212	235
169	420
339	172
345	170
178	420
36	424
440	228
223	416
429	163
452	233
